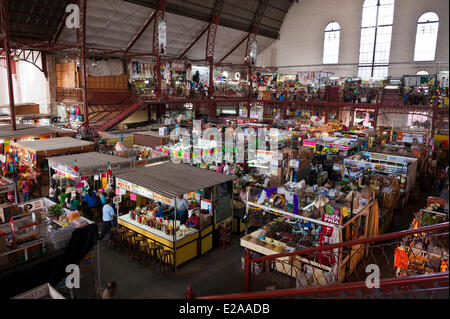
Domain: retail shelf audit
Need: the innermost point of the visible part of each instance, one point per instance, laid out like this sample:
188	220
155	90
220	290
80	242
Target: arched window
376	33
426	37
422	73
331	43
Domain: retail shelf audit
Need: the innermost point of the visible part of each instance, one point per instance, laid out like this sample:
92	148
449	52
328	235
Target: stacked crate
225	235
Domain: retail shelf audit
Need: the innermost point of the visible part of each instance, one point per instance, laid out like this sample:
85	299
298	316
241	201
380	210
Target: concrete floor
216	272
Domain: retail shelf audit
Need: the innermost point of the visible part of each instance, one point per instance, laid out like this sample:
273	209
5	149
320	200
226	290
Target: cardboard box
205	220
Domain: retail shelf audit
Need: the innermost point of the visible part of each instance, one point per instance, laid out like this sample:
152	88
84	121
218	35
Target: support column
158	17
327	112
212	109
434	119
81	40
4	32
209	54
158	77
249	82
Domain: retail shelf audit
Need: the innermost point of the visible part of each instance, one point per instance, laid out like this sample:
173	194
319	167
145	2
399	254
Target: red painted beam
4	25
234	48
206	28
139	34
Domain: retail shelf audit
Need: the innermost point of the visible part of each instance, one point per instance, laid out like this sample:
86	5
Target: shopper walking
102	196
26	189
108	217
92	203
110	291
75	203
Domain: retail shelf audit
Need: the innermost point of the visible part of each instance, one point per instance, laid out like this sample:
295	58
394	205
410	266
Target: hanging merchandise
253	52
162	37
75	167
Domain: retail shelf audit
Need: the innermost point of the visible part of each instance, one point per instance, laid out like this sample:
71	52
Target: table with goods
318	220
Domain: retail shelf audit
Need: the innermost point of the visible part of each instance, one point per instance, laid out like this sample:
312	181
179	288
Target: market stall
150	138
289	221
210	199
30	157
6	186
341	145
40	227
26	133
402	168
96	169
418	255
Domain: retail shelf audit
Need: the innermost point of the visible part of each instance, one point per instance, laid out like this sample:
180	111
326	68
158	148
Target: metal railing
432	286
287	275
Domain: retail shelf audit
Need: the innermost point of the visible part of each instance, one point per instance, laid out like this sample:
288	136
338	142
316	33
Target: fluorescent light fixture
154	164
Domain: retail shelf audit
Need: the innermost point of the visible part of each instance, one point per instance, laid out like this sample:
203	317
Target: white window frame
332	27
417	56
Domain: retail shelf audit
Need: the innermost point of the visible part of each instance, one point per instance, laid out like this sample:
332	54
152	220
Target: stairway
111	121
105	117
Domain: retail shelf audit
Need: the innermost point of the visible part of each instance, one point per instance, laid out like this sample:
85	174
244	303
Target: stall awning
91	163
170	179
52	144
30	131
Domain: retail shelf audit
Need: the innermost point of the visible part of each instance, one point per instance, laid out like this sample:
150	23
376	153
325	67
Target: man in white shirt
182	207
227	169
52	193
108	217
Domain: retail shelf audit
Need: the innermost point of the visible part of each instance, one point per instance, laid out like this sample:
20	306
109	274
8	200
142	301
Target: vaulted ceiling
112	24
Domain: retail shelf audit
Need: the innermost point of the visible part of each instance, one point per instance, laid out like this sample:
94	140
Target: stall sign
309	143
123	184
206	205
143	191
33	205
79	186
334	218
66	175
163	199
379	157
192	196
6	185
7	188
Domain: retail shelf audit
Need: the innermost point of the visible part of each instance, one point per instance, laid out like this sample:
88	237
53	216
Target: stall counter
187	246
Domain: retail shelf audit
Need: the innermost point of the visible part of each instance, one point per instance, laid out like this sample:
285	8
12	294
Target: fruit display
55	210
